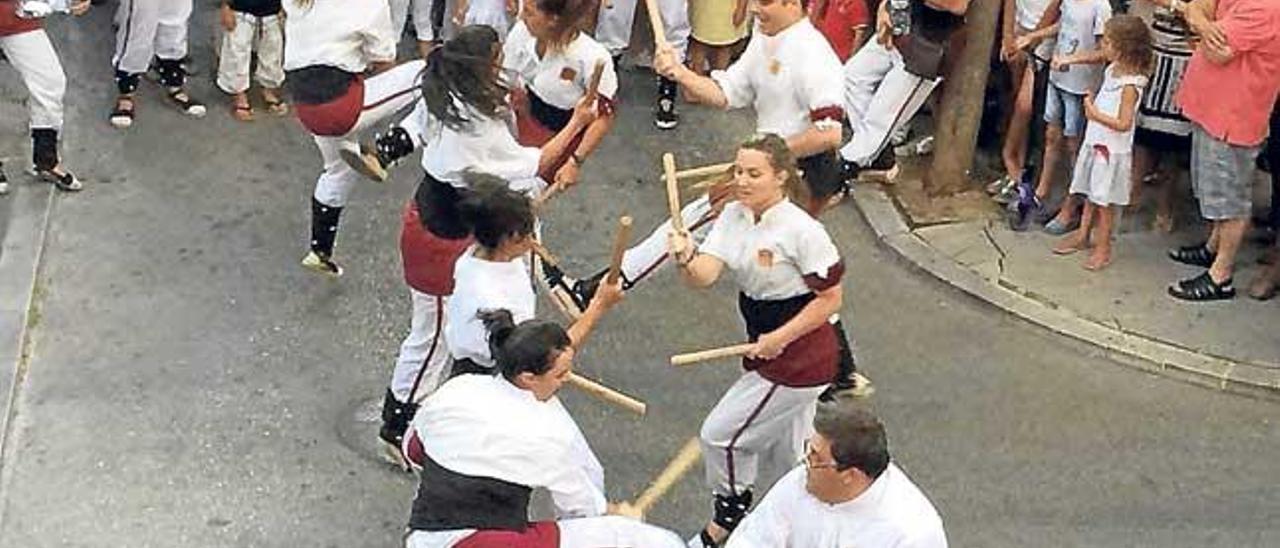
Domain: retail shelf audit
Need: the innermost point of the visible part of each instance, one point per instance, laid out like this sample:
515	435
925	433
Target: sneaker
997	187
884	169
185	103
665	116
323	265
856	386
584	290
61	178
1007	194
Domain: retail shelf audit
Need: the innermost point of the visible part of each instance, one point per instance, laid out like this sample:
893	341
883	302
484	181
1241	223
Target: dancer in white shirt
847	493
485	441
329	46
789	272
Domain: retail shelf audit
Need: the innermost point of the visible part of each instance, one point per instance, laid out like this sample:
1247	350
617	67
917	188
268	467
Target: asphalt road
191	386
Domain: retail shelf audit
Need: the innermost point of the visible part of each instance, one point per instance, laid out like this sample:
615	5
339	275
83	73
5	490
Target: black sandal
121	115
185	103
1203	288
1194	255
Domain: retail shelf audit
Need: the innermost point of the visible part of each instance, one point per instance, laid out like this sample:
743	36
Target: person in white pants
613	31
430	25
252	25
329	45
789	273
29	51
150	31
881	93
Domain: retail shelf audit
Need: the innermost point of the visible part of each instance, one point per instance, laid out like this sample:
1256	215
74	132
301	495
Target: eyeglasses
810	454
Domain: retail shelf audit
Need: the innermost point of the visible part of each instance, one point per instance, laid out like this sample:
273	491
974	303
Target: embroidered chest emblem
764	258
775	66
568	74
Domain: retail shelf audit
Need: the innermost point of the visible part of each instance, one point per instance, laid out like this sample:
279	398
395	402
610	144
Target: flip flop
242	111
275	106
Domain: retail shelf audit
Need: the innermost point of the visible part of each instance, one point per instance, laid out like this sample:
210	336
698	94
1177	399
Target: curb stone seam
1139	351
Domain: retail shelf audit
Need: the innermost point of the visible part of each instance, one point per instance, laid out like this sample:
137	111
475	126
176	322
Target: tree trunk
960	110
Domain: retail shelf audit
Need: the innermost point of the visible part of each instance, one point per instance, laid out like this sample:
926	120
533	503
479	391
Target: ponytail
529	347
460	75
492	212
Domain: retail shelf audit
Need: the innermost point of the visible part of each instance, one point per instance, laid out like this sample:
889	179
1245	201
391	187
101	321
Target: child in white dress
1104	164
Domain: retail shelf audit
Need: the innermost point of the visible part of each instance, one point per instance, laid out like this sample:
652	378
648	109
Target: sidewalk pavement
1123	310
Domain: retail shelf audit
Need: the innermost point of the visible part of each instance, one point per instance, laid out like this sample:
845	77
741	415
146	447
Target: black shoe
396	417
1203	288
1194	255
584	290
665	116
884	169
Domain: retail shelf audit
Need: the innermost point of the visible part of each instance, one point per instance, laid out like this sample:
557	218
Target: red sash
334	118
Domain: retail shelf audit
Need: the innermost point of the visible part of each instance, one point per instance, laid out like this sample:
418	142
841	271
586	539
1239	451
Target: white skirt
1105	178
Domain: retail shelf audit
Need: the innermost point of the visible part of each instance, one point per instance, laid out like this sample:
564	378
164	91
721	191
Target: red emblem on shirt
567	74
765	258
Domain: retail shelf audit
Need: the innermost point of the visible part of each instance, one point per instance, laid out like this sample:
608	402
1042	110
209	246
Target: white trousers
421	12
150	28
646	257
33	56
879	96
266	35
756	419
613	26
595	532
423	355
384	95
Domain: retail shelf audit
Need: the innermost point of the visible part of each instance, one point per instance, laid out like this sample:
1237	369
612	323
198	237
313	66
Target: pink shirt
1233	101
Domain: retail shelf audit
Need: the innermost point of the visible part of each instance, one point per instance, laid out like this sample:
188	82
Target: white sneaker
4	188
323	265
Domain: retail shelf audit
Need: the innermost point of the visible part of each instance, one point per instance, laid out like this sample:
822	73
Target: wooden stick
562	302
704	171
655	21
673	191
607	395
712	354
676	469
620	241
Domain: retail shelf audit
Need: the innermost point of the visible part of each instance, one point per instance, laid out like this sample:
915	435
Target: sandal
241	109
185	103
1203	288
275	105
1194	255
124	111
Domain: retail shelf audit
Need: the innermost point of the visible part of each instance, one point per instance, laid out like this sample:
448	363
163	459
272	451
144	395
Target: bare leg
1014	152
698	57
1070	202
1101	256
1229	233
1078	239
1052	145
720	56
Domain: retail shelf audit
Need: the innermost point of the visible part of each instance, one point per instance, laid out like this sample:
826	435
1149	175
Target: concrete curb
20	255
1133	349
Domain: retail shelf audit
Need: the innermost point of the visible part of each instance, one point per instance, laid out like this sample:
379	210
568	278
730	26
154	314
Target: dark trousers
1273	158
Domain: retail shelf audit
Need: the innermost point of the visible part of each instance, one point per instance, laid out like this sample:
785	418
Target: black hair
492	212
568	15
857	437
529	347
463	71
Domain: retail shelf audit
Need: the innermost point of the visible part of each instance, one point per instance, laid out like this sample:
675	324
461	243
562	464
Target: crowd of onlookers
1135	93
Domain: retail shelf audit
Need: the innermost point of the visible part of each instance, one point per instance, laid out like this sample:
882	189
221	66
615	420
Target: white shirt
786	77
484	426
769	259
1108	100
1030	12
892	513
1080	29
560	78
346	34
485	145
484	285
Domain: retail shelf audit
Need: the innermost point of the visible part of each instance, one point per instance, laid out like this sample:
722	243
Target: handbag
921	56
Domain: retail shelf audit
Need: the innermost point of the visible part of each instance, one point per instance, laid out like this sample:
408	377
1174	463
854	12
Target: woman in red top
843	22
27	47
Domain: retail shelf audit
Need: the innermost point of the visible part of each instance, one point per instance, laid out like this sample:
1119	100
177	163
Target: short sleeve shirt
771	258
793	80
559	78
481	285
1080	30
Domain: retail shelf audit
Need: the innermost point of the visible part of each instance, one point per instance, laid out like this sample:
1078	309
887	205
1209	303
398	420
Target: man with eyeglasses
846	493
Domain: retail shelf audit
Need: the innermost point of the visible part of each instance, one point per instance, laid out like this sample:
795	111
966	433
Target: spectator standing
1104	167
1265	284
1162	129
1228	92
843	22
27	47
430	26
252	25
1074	72
716	25
1021	17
